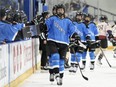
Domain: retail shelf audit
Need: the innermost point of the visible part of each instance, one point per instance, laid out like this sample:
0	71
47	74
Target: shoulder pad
74	23
6	22
68	18
84	23
52	16
92	23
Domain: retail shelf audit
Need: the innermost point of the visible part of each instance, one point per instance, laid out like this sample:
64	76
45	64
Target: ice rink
102	76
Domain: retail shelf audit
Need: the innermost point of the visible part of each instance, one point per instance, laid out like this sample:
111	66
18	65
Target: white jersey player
103	28
114	38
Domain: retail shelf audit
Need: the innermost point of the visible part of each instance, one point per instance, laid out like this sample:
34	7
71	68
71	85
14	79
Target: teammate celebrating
114	38
59	30
82	32
90	38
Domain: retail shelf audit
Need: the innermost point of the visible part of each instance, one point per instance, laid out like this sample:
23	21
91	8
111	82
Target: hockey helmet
103	17
54	7
89	16
60	6
79	14
2	13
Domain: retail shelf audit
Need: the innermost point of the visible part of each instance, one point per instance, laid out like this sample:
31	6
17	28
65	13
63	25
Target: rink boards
18	61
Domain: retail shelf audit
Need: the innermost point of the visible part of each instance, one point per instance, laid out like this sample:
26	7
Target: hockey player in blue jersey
59	31
82	32
8	30
90	38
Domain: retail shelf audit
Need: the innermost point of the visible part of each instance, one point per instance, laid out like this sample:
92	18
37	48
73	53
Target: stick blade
85	78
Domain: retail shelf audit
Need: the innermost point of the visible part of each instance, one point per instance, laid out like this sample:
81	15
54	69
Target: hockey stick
79	66
105	57
103	53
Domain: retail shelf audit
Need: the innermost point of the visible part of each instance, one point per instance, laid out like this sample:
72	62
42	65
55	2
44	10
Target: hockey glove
81	47
88	39
110	35
98	44
76	36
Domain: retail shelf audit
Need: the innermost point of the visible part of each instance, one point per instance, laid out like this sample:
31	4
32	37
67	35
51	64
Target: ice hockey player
54	10
104	29
90	38
59	30
114	38
8	30
82	32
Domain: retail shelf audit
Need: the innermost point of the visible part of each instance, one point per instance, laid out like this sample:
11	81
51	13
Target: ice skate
75	68
92	66
58	80
71	69
99	61
83	65
51	77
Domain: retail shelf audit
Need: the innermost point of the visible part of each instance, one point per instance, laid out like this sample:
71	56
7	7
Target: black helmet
103	17
2	13
54	7
79	14
54	10
16	15
88	15
44	14
60	6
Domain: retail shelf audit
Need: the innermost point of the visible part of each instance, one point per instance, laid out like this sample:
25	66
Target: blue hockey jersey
92	30
81	30
59	30
9	31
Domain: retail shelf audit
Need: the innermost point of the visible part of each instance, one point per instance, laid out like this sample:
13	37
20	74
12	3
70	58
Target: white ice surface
102	76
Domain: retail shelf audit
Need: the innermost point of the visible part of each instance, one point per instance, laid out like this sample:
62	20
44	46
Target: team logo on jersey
79	32
59	27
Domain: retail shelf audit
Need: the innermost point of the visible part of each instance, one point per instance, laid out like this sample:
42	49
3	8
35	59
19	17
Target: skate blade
52	83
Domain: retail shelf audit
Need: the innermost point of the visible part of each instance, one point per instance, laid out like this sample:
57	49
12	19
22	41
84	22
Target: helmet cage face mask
78	17
2	13
60	12
87	19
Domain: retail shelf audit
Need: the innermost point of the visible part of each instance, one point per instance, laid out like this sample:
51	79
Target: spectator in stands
85	8
75	5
